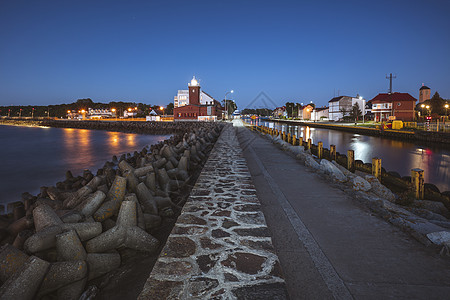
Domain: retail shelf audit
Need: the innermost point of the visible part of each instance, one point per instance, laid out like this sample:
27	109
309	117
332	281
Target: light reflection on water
399	156
31	157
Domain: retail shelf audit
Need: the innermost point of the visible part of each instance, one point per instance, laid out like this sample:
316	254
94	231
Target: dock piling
417	180
351	161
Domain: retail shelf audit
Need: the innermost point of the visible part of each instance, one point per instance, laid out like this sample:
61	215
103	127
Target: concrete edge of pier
433	231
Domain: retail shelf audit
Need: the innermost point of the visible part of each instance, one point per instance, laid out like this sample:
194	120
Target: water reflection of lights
131	139
113	138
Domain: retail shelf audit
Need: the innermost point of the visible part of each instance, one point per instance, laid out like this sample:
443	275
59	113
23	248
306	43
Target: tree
345	111
231	106
169	109
355	112
289	109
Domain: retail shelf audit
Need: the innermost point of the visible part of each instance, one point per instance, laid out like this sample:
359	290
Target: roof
336	99
207	94
424	87
321	108
386	97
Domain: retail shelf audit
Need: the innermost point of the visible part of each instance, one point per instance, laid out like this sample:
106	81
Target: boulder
379	189
360	184
330	169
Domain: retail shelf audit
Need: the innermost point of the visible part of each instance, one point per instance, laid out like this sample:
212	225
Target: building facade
424	93
320	114
393	106
195	105
304	112
340	107
280	112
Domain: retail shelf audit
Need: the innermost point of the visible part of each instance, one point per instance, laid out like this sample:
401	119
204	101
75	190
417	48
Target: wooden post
351	160
288	138
418	182
294	140
437	125
309	144
300	141
320	150
333	152
376	168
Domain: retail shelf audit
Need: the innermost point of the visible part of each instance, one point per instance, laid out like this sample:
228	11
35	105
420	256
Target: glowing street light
446	107
226	106
32	113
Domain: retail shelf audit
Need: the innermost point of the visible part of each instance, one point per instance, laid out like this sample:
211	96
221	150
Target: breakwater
84	227
416	135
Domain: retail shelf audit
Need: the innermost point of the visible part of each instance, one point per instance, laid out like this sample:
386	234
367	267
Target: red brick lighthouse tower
194	92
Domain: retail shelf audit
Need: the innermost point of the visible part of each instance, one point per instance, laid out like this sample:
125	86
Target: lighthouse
194	92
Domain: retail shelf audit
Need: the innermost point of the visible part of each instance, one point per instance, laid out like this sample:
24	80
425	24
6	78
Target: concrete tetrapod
102	263
116	195
61	274
69	247
146	199
11	260
30	275
125	233
89	206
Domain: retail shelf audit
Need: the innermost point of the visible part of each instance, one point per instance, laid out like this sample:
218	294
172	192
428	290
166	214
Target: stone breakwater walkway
220	247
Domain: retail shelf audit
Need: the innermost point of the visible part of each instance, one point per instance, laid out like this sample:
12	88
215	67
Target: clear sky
144	51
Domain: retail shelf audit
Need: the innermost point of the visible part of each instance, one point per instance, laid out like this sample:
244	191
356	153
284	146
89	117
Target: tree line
60	110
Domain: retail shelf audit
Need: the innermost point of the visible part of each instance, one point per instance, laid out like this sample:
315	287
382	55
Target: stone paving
220	247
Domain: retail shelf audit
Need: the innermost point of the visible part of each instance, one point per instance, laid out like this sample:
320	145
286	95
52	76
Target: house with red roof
393	106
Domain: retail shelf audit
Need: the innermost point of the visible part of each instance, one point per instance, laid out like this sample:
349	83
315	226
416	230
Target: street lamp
446	107
114	111
226	107
32	113
363	107
428	109
20	113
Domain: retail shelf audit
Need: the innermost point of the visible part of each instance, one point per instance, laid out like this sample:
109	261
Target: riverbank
95	228
442	138
121	126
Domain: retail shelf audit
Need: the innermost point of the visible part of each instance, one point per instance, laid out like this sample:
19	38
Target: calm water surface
31	157
395	155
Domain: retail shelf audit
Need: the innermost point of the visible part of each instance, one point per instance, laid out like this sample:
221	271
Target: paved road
328	244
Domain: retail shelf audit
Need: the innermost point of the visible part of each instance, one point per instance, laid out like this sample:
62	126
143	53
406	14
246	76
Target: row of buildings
383	107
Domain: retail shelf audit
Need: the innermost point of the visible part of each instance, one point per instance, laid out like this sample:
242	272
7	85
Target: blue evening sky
144	51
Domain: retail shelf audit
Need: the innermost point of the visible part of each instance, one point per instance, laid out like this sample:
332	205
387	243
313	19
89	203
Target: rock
328	168
379	189
433	206
439	238
360	184
311	162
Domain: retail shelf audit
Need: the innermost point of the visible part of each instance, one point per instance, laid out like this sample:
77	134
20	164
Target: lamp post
428	109
20	113
226	107
32	113
113	110
446	107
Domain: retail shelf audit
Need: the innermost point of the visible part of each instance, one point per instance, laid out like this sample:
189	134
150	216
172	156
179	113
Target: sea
32	157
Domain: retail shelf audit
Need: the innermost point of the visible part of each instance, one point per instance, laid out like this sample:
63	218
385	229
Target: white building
99	113
338	106
320	114
182	98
